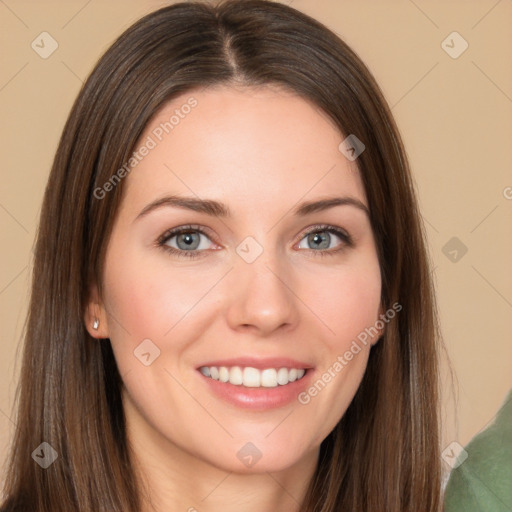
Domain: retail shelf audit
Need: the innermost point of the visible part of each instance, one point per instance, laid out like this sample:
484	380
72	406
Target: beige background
455	116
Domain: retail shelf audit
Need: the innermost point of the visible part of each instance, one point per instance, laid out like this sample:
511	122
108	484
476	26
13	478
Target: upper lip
259	363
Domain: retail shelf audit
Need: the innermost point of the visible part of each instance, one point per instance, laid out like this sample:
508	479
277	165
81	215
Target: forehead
250	147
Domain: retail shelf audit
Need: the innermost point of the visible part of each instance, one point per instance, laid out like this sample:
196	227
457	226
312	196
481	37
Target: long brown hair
384	453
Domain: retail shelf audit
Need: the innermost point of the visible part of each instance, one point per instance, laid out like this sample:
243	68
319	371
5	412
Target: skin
261	152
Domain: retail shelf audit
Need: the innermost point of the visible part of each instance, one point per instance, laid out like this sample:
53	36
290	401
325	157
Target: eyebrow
218	209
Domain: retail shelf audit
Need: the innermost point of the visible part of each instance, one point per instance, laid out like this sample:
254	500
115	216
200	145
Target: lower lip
259	398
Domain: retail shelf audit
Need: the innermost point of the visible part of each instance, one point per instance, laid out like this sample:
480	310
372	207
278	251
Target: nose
262	296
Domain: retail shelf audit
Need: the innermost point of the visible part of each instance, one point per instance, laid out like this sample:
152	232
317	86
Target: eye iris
315	237
188	239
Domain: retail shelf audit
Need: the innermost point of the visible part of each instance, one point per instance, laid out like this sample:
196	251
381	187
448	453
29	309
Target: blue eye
188	241
185	241
320	237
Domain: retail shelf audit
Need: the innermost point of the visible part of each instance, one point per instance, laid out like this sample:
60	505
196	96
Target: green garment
483	482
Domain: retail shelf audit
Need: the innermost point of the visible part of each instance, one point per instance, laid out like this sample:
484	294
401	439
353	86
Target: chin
258	458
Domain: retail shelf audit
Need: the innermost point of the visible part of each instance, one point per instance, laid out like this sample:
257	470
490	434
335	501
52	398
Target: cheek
348	306
148	298
347	300
133	302
359	302
145	300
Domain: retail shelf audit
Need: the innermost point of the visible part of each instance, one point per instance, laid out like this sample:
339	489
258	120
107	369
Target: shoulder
481	479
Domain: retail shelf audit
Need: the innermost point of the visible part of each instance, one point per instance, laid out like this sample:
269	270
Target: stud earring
96	324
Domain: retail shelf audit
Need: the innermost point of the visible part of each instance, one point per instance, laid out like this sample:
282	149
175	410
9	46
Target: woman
231	303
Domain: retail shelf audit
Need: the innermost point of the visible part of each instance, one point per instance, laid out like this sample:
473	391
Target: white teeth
282	376
223	374
235	376
252	377
269	378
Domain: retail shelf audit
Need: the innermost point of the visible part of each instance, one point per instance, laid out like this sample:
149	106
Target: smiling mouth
253	377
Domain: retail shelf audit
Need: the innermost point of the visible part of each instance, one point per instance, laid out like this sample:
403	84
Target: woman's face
257	284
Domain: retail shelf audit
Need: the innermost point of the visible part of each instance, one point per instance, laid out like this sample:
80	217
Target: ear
95	315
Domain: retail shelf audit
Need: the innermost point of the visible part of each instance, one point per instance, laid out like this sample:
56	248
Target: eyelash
319	228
